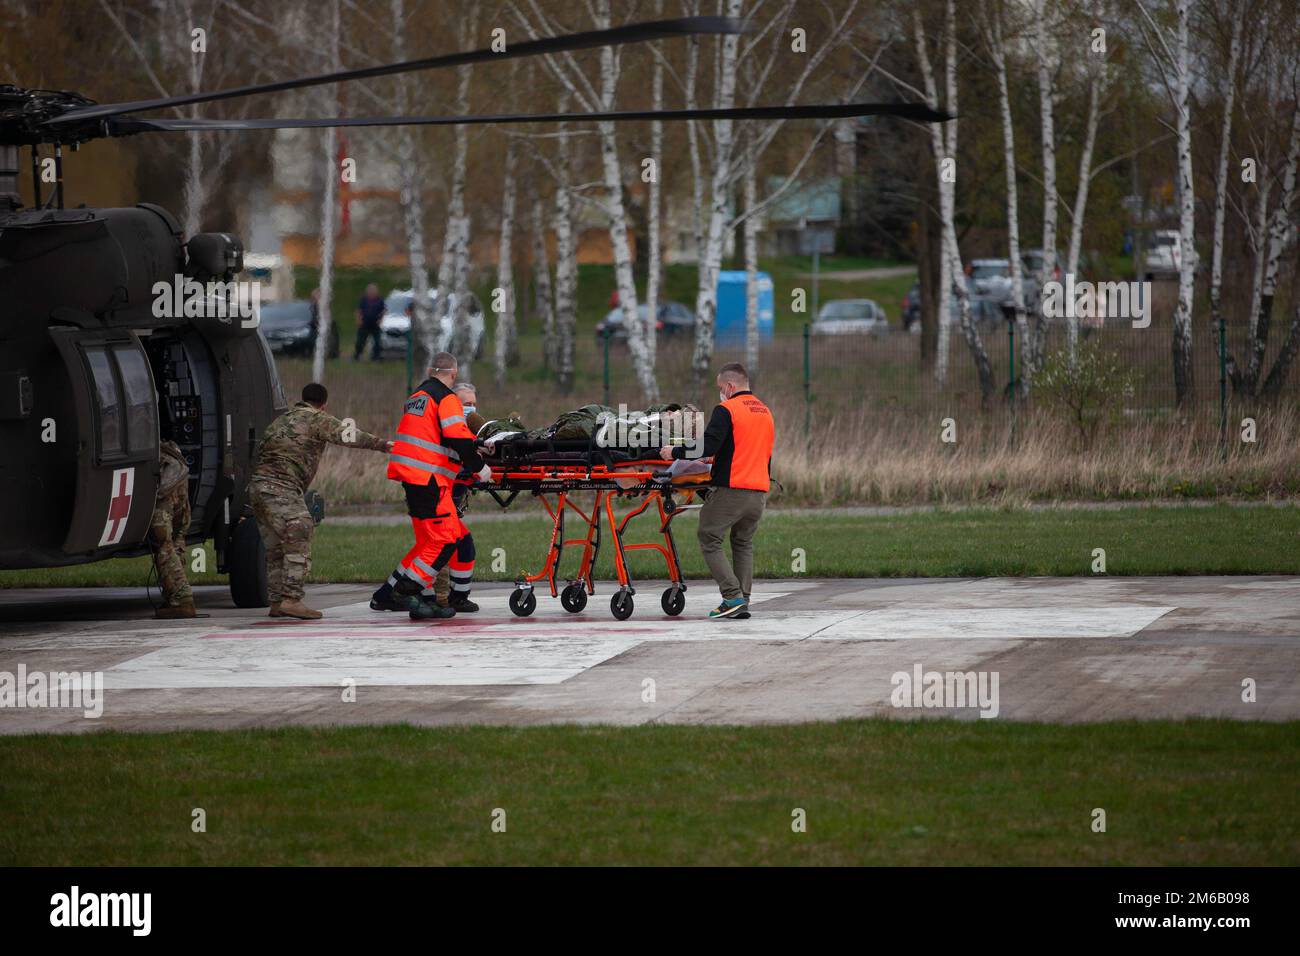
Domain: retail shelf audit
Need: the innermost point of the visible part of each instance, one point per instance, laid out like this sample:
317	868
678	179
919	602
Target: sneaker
728	608
464	606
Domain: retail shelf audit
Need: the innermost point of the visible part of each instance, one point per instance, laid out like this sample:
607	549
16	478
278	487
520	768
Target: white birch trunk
1279	230
329	207
1187	208
412	199
542	304
1258	245
1047	136
751	268
938	151
710	264
561	336
654	252
504	340
1009	162
453	270
1095	86
1221	175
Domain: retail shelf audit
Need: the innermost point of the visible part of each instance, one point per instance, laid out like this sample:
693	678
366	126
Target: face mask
470	409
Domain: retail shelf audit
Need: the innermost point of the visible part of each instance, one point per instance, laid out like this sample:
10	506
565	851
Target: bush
1091	389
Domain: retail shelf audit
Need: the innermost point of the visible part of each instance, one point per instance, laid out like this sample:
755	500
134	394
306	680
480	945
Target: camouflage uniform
287	459
170	521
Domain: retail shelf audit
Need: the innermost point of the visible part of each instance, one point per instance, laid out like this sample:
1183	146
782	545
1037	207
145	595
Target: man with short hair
287	459
739	439
442	586
432	447
370	313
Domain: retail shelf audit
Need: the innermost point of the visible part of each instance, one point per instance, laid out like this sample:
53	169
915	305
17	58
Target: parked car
672	318
1164	257
290	328
983	309
395	326
1031	260
850	317
990	279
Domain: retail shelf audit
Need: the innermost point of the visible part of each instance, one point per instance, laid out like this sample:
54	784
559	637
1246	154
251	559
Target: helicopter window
110	405
141	399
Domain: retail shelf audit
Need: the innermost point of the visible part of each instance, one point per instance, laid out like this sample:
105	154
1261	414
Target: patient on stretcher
627	435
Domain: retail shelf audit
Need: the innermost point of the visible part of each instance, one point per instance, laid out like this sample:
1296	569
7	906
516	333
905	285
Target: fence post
807	380
605	336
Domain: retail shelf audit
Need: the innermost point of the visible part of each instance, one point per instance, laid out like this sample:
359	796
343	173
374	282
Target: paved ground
1063	649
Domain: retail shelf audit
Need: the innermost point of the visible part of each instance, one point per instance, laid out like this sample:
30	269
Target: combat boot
422	610
462	605
172	612
299	610
275	610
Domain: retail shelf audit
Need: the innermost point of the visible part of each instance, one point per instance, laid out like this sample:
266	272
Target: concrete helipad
1062	649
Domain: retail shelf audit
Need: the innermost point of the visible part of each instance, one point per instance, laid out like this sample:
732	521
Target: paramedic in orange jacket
432	446
739	439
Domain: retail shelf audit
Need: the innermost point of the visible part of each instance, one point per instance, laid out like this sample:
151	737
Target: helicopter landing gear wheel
673	601
574	598
247	563
620	605
523	602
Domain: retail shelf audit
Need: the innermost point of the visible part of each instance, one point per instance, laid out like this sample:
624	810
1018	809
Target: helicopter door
117	438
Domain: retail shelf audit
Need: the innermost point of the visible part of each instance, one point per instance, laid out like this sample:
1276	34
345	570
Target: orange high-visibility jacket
422	452
753	434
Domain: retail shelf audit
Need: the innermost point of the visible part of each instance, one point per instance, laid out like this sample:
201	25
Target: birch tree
1221	173
504	341
1045	56
566	277
1175	65
997	49
601	97
654	265
453	269
411	196
329	210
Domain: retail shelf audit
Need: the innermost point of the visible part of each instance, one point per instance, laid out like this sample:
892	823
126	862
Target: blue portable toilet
730	323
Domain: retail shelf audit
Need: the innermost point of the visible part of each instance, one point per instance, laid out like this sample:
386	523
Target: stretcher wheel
673	601
574	598
620	605
523	603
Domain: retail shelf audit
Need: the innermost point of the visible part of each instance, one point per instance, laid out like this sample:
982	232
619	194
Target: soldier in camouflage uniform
287	459
167	527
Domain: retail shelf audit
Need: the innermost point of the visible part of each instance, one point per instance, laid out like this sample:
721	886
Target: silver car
395	326
850	317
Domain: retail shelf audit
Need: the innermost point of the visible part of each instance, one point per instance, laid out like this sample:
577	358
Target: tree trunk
710	264
412	199
1009	163
324	314
938	151
751	270
654	265
542	304
453	271
1047	136
1095	85
1221	175
1182	345
565	319
505	350
1279	230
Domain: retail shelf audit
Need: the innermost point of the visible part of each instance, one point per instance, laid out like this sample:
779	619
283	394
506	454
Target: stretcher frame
563	479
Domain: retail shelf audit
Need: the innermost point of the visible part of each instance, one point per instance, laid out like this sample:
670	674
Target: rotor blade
615	36
913	111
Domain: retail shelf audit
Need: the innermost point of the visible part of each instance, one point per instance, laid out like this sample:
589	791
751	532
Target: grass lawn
1219	539
874	792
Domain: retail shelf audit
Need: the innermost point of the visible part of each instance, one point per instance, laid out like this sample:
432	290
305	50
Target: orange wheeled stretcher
646	484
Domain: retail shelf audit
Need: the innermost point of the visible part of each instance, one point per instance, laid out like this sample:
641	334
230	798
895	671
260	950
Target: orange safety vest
418	456
754	433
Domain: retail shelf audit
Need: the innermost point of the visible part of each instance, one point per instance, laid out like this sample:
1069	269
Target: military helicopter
92	377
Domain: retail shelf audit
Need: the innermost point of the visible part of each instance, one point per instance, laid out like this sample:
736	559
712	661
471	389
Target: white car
850	317
1165	256
395	326
991	279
